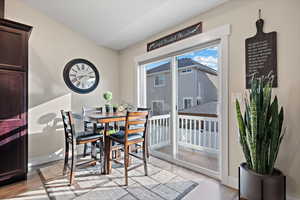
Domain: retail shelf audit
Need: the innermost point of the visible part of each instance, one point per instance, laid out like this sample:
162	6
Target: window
157	107
187	102
159	80
186	71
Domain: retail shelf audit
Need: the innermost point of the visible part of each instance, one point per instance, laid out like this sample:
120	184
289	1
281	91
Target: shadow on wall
45	79
47	96
46	133
288	157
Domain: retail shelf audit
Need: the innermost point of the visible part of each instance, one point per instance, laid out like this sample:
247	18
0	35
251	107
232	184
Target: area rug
91	185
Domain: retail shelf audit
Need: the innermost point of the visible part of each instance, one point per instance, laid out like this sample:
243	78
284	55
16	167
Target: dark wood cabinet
1	8
13	100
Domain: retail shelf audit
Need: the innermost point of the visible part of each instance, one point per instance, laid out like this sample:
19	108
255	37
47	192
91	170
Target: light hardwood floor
207	189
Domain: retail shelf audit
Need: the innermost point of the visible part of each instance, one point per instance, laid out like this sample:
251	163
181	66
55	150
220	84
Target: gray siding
159	93
192	85
187	87
207	89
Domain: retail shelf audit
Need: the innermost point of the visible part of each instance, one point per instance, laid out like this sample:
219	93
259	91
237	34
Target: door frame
220	34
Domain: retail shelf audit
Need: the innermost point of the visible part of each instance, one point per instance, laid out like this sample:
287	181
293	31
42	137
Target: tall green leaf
261	128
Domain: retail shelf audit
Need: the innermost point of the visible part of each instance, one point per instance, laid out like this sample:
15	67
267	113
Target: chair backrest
68	125
136	122
86	110
145	109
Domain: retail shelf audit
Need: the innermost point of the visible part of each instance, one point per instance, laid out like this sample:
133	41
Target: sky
207	56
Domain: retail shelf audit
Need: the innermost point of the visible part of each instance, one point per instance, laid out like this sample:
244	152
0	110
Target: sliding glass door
197	113
182	92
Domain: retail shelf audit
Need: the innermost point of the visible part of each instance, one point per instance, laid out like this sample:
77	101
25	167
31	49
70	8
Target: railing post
199	132
209	134
150	133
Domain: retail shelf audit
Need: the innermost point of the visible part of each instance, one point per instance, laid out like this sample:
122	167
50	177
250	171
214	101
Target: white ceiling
118	24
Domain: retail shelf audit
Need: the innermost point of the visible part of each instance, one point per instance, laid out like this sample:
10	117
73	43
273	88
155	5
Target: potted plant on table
107	97
260	130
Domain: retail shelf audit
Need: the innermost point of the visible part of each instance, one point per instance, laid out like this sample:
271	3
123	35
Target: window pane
197	94
158	91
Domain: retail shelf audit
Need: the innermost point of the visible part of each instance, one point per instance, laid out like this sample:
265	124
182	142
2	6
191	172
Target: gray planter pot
253	186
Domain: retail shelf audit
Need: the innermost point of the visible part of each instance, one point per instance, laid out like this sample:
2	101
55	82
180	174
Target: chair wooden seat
120	137
86	137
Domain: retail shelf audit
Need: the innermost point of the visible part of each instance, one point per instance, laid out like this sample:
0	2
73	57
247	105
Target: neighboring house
197	85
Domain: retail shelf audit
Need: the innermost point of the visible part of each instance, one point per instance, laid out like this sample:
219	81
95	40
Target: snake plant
260	127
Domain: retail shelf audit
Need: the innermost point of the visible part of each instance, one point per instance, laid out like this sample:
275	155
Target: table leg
109	156
107	149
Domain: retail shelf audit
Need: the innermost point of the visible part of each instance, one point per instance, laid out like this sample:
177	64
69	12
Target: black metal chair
72	139
135	133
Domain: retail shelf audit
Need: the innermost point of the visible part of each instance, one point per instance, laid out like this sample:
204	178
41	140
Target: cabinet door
13	44
13	123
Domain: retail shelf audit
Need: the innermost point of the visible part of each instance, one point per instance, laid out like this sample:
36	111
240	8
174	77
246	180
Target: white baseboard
234	183
291	198
33	161
44	159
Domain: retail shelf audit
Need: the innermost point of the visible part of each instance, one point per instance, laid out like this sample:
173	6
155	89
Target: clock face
81	76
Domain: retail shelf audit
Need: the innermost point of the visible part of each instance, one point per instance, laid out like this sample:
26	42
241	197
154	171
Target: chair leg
66	159
147	149
110	158
136	148
145	158
73	163
94	150
126	160
84	150
129	158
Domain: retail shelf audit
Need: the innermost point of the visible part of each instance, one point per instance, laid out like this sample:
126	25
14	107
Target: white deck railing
159	131
194	132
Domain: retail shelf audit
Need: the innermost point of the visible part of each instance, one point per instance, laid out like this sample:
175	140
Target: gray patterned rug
90	184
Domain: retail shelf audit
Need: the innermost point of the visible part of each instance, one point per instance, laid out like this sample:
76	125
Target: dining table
106	118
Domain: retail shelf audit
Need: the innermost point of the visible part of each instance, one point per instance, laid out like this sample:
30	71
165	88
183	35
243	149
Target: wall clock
81	76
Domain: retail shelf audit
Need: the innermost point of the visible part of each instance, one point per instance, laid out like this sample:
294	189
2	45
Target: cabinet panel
12	142
1	8
13	95
13	48
13	125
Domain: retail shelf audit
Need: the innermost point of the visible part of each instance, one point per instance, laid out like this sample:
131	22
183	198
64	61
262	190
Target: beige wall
51	46
280	15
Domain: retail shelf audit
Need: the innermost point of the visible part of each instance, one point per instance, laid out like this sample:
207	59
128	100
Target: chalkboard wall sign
174	37
261	55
